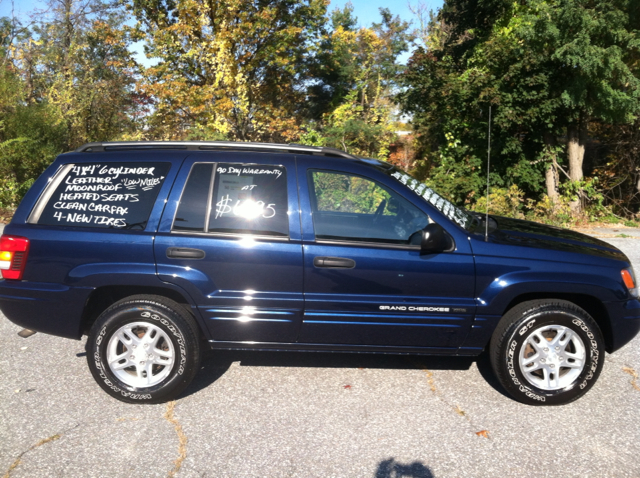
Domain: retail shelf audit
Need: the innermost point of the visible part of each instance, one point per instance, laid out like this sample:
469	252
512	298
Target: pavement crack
182	438
430	380
634	374
44	441
33	447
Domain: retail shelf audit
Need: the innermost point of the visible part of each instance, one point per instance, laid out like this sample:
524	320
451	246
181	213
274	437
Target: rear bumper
44	307
625	323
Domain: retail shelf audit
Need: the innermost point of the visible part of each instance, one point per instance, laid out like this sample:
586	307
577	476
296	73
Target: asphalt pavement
252	414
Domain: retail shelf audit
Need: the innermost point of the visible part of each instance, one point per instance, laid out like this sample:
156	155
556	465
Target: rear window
113	195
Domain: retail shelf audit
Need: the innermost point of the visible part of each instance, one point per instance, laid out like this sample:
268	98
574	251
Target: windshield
461	217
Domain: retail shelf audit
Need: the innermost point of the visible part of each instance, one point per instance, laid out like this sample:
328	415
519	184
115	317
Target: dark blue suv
156	250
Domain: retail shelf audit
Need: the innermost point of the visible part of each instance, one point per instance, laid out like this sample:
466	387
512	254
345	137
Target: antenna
486	221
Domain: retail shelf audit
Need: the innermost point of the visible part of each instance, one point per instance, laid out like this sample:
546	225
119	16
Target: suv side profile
156	250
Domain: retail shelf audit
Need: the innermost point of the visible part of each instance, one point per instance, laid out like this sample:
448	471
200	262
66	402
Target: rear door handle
185	253
334	262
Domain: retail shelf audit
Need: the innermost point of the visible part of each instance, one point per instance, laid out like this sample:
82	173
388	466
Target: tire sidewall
98	345
516	382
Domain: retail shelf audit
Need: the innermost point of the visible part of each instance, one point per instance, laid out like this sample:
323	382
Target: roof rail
213	145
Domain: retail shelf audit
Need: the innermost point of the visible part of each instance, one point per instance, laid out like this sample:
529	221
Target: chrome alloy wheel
552	357
140	354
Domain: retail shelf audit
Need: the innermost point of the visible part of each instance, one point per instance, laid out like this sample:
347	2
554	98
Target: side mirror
435	239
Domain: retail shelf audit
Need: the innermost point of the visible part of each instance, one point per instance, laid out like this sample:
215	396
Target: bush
511	202
503	202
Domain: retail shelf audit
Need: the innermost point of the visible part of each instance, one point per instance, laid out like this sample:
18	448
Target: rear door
231	239
366	282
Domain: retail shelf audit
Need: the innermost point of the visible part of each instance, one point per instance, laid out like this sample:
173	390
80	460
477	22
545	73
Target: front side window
103	195
354	208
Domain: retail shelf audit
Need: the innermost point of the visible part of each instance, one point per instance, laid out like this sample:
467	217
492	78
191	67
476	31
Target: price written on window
247	208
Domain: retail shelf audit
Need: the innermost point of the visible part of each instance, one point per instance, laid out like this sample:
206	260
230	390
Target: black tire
167	349
533	372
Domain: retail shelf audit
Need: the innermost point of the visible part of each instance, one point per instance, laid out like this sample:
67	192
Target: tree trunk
29	73
575	151
67	38
577	138
551	174
551	180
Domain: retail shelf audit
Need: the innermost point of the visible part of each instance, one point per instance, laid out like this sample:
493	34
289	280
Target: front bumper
625	323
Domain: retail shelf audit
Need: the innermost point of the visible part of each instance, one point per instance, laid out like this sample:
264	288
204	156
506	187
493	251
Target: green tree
78	60
354	74
587	48
547	67
333	64
66	79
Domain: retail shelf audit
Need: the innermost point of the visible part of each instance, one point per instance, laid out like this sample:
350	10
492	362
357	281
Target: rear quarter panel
66	263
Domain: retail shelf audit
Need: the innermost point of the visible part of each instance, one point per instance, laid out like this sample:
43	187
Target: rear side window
102	195
238	199
250	199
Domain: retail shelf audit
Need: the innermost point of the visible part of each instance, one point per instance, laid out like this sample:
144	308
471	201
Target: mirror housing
435	239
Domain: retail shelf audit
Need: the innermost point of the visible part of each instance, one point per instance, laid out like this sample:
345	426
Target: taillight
629	279
13	256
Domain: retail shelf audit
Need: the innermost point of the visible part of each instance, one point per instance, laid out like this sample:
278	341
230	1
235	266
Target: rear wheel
547	352
144	349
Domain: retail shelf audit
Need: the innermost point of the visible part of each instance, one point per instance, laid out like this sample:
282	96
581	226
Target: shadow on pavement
392	469
215	364
483	362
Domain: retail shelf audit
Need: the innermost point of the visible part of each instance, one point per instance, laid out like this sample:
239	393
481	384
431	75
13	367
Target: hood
515	232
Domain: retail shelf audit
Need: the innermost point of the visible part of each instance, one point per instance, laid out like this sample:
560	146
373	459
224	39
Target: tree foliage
561	78
354	74
548	68
66	78
227	69
248	70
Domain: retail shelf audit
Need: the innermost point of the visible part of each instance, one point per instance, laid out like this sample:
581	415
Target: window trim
223	235
212	184
378	245
54	182
175	213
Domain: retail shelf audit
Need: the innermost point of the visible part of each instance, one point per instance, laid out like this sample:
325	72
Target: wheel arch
103	297
592	305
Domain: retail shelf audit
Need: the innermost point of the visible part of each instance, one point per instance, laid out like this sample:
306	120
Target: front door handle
185	253
334	262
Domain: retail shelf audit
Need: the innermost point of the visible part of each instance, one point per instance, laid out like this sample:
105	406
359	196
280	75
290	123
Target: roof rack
213	145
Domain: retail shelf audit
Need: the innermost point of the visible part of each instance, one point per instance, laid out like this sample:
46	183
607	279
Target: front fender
494	298
495	295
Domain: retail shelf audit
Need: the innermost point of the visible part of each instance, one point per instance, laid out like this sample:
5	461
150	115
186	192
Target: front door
366	282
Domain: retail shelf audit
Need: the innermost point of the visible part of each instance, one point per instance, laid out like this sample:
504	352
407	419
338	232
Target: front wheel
547	352
144	349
